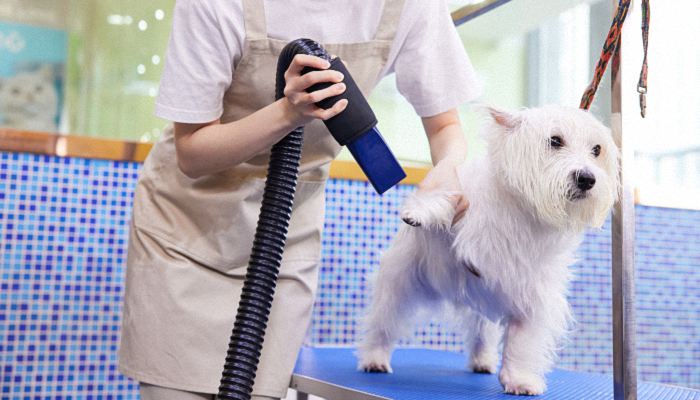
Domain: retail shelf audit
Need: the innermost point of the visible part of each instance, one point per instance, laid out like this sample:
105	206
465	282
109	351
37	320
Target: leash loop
610	49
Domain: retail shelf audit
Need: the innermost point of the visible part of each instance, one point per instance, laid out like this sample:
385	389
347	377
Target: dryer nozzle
355	128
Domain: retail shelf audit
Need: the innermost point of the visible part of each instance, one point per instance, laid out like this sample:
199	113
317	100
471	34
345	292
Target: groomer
198	198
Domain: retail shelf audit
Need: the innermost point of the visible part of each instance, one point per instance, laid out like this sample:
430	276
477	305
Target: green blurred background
116	51
116	54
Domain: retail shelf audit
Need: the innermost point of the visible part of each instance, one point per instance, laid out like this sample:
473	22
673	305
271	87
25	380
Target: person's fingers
318	95
337	108
460	209
299	84
309	79
427	185
301	99
300	61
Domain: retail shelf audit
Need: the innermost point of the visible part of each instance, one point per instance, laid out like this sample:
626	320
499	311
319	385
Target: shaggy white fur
548	174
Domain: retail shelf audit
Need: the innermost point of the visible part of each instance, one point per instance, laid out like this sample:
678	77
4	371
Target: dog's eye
556	142
596	150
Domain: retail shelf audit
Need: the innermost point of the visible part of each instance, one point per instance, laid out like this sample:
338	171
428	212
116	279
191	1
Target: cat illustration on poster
29	100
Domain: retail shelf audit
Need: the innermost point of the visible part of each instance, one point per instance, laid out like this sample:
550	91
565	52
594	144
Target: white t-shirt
433	72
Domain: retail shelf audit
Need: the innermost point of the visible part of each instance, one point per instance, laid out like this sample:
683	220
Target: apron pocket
216	226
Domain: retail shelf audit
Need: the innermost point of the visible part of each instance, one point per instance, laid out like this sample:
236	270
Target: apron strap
390	20
255	22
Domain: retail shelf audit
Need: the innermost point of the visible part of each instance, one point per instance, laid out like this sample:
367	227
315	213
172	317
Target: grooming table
439	375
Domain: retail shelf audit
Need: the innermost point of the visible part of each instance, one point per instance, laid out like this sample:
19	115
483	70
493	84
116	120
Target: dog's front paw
412	217
521	383
375	360
428	210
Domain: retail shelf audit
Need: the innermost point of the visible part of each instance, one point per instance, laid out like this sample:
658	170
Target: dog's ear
504	118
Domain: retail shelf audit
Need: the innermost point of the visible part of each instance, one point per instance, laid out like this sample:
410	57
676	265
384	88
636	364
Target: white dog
549	173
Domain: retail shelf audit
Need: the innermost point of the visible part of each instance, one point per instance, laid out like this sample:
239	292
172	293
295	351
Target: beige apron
190	239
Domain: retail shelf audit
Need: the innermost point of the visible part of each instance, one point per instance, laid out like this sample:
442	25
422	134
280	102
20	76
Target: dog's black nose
585	180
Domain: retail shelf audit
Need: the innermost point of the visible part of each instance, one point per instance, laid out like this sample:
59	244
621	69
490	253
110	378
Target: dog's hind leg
391	317
486	338
397	295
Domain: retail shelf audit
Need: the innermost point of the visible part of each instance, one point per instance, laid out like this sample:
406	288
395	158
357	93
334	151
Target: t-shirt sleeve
433	71
198	66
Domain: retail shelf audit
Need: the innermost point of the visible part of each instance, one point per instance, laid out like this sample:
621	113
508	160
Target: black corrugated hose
248	333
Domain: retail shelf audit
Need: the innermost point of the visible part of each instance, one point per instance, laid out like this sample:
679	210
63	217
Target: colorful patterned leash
611	47
642	84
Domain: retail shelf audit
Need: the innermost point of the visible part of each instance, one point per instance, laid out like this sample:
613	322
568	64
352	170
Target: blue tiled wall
63	233
63	230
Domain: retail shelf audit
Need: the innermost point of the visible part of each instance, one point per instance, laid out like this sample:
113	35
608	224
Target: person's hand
300	104
443	177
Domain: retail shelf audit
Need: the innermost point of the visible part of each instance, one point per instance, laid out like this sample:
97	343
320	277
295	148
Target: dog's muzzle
583	181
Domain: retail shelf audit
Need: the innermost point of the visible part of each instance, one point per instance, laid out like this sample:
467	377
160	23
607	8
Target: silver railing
473	10
623	233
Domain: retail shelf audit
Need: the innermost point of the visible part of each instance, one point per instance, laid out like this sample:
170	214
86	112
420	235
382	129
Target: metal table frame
304	385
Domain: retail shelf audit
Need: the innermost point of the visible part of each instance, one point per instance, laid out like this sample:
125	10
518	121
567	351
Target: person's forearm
446	138
449	145
217	147
204	149
448	149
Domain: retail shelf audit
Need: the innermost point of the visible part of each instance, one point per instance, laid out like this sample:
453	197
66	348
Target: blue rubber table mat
438	375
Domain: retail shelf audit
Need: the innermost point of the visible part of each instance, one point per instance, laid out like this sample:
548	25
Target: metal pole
623	232
471	11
